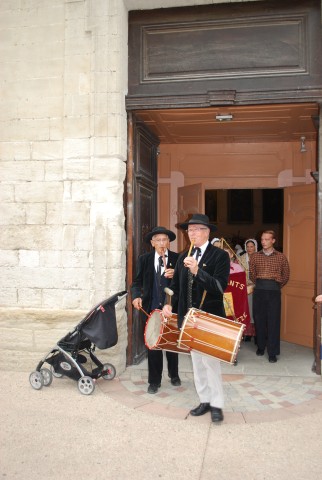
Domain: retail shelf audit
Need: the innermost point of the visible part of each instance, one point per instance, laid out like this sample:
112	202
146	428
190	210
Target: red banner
235	299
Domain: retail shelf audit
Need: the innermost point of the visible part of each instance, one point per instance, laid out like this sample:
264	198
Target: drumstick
191	246
169	294
144	312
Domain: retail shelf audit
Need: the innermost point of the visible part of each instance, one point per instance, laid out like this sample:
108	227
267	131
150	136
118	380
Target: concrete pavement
121	432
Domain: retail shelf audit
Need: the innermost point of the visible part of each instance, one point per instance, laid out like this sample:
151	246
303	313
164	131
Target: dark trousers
267	318
155	364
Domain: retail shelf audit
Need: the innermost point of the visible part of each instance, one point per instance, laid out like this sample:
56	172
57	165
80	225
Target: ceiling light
224	118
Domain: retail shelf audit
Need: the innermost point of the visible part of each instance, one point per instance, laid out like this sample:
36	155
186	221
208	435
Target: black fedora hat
158	231
198	219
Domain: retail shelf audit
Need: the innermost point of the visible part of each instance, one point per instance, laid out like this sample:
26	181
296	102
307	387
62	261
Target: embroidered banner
236	300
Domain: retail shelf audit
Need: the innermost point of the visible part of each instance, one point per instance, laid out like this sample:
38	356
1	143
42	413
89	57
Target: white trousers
207	378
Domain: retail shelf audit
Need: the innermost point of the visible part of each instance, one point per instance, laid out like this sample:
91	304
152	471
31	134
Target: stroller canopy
100	324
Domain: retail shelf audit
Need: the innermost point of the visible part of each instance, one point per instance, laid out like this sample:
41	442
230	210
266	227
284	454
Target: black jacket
142	285
214	268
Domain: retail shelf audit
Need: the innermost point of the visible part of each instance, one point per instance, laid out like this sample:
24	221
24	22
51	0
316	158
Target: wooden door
300	249
190	201
141	218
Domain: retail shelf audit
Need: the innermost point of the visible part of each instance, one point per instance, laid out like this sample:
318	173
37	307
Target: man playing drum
204	269
154	272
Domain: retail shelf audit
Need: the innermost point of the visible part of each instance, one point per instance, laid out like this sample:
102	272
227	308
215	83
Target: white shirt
156	261
202	249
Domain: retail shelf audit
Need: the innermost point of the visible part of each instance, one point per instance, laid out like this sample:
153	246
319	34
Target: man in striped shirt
269	270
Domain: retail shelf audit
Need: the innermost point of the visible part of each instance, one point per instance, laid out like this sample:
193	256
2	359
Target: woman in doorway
250	248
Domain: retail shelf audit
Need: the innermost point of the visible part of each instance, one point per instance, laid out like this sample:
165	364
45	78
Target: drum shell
211	335
162	335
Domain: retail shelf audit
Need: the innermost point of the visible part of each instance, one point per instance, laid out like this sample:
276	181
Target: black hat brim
164	231
184	226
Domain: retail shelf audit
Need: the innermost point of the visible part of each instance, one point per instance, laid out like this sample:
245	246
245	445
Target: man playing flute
154	272
205	269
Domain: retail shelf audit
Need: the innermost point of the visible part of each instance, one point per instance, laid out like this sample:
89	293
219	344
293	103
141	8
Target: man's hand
167	311
318	299
137	303
192	264
169	272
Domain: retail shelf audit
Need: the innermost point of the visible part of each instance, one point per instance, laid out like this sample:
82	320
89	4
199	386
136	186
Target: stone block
49	150
9	258
52	298
35	213
83	238
8	295
56	126
68	238
76	148
75	213
16	338
28	258
31	237
77	127
75	259
53	170
7	193
34	277
75	299
12	214
29	297
113	166
50	258
77	278
39	192
22	171
76	169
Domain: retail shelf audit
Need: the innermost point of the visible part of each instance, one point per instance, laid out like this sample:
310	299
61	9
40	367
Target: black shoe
153	387
216	414
272	359
247	338
175	381
200	410
259	352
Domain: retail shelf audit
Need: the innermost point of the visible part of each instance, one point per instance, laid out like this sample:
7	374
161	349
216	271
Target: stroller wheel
47	376
36	380
108	371
54	373
86	385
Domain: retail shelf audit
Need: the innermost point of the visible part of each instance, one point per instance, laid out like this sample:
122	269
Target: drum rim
160	332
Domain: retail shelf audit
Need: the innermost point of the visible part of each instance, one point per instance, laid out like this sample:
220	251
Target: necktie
196	250
159	277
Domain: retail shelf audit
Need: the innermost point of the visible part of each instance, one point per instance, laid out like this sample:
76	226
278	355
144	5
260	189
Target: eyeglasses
196	229
160	240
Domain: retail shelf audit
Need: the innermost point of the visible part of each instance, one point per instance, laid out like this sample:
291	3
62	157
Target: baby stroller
70	354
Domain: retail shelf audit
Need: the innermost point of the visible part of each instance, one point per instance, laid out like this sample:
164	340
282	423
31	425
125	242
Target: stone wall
63	166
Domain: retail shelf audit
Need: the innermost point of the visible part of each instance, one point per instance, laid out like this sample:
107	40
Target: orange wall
228	166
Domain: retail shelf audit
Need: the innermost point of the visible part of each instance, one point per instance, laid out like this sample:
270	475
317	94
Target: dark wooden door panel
225	54
142	215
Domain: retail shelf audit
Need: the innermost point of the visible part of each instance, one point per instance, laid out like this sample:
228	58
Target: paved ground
255	390
272	427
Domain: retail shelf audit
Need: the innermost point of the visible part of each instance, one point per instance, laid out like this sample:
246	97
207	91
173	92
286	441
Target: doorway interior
257	148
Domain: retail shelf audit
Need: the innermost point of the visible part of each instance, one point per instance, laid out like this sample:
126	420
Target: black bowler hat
198	219
158	231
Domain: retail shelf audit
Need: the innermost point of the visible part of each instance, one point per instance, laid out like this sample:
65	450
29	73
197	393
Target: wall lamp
224	118
303	146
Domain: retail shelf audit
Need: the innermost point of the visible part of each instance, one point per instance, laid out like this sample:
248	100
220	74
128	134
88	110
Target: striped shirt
269	267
